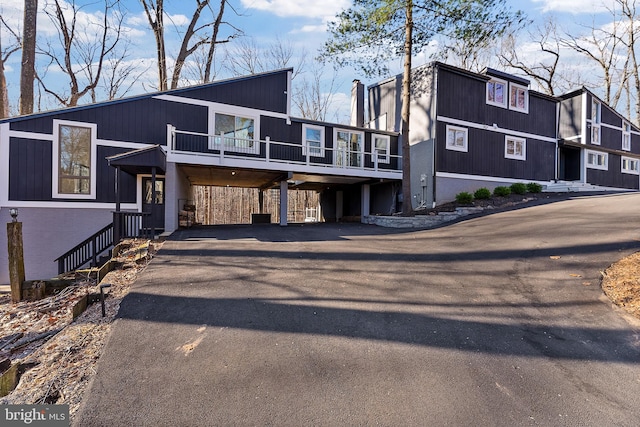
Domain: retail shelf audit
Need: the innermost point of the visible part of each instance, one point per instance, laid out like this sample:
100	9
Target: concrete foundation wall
447	188
47	234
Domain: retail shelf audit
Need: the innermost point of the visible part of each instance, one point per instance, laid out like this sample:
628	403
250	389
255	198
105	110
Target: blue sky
301	23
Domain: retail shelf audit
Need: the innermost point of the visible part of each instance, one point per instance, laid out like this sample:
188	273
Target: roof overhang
141	161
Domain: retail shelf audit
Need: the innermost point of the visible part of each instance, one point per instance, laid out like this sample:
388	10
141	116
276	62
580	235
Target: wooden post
16	259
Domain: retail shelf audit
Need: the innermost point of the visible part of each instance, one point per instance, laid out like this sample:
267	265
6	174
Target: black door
155	207
569	164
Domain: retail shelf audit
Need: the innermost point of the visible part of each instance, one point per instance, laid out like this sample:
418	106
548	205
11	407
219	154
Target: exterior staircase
574	187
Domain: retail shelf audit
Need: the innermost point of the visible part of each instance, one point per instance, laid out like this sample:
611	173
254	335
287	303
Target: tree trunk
407	206
4	96
27	76
212	47
156	21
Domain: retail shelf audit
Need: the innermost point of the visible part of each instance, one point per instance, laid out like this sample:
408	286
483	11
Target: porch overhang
141	161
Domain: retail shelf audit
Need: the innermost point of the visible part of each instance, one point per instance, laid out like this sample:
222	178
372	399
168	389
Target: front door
156	209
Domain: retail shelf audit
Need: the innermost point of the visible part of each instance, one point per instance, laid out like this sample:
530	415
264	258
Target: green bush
464	198
518	188
482	193
534	187
501	191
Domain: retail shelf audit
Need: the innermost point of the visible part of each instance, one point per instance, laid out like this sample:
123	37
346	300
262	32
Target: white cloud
307	9
574	6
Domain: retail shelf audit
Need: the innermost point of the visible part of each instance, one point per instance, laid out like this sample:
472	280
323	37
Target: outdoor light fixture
14	214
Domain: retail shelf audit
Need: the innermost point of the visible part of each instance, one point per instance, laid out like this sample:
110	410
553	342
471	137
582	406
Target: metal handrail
87	250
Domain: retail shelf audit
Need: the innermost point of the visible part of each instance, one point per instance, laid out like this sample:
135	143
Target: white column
365	200
284	202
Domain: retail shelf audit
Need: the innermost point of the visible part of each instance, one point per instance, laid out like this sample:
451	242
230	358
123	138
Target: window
595	121
515	148
313	140
457	139
237	133
74	156
380	145
518	98
630	165
348	148
497	93
626	136
596	160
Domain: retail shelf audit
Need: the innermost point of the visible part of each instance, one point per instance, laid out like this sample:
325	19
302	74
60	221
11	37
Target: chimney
357	104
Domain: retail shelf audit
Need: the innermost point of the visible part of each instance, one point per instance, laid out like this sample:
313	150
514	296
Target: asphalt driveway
497	320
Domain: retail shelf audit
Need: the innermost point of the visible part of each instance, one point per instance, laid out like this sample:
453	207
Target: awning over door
140	161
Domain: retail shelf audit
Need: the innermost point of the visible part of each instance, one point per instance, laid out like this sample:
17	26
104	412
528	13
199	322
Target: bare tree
120	74
83	54
199	32
605	47
312	97
247	57
155	15
632	29
27	69
544	70
5	53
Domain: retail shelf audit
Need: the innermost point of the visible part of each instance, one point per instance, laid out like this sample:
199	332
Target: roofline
141	96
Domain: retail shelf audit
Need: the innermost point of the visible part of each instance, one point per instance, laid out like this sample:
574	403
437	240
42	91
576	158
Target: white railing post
375	160
307	149
171	137
267	148
222	141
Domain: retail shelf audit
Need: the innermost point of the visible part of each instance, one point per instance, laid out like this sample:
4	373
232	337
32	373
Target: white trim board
217	106
66	205
485	178
496	129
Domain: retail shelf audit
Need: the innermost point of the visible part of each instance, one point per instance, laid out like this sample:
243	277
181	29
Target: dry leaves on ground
621	283
60	365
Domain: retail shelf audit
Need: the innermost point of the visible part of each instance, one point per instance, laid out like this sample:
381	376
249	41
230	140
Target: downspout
434	103
557	162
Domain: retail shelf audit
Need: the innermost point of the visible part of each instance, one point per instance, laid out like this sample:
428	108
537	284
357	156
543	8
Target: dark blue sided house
597	145
469	130
127	166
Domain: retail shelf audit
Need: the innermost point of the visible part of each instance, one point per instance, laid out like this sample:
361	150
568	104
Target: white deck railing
268	151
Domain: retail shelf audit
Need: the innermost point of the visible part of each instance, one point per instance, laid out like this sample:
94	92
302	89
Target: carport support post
365	200
284	202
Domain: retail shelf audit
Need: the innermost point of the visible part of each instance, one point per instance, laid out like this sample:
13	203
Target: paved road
477	323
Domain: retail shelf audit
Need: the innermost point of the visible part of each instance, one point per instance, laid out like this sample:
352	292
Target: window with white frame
596	108
349	146
497	93
518	98
457	138
74	157
626	136
235	132
381	145
515	148
597	160
313	140
629	165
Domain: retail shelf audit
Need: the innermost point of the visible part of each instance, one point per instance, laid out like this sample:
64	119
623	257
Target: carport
332	186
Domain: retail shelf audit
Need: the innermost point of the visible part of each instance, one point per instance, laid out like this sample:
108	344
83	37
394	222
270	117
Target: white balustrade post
268	148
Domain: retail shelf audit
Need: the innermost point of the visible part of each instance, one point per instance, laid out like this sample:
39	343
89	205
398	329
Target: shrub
518	188
534	187
482	193
501	191
464	198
